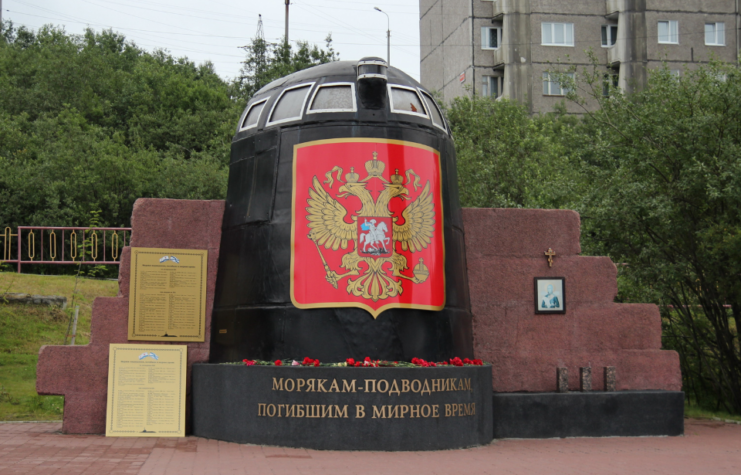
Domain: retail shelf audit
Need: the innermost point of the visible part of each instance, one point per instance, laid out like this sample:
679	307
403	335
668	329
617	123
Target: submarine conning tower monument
342	233
341	237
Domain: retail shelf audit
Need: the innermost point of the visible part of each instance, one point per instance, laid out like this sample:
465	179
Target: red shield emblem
367	226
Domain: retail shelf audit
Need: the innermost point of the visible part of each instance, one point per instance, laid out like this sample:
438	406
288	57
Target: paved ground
39	449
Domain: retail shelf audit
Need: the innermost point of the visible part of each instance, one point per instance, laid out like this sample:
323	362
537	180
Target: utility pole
288	2
738	32
388	36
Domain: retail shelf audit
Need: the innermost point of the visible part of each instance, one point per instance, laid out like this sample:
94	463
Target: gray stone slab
434	408
591	414
49	300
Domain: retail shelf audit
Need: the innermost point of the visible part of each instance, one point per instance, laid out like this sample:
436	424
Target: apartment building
504	48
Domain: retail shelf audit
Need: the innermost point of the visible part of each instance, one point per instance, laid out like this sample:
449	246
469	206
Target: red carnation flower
350	362
367	359
278	363
316	362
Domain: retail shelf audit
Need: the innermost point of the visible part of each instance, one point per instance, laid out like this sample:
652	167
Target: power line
161	45
400	12
379	43
141	18
85	22
106	6
334	20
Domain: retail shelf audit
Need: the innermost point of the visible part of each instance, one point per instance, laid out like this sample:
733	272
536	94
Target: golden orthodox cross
550	253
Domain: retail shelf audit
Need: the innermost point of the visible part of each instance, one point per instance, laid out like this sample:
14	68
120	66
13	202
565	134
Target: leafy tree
92	122
267	62
507	158
664	166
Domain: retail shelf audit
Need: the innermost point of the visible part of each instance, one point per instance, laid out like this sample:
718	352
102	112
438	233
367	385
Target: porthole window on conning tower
253	115
405	100
437	117
290	104
335	97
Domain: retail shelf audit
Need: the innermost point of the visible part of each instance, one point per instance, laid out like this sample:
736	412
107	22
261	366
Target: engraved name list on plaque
167	301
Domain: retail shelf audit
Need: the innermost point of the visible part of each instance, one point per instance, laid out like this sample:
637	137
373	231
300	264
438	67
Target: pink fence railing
63	245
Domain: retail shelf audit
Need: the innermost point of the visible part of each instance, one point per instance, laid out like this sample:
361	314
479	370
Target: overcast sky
214	30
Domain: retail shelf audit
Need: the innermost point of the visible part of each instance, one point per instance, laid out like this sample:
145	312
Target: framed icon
550	295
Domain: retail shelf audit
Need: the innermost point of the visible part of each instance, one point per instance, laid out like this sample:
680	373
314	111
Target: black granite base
589	414
341	408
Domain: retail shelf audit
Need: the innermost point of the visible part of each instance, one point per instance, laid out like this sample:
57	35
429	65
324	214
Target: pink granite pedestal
504	252
80	373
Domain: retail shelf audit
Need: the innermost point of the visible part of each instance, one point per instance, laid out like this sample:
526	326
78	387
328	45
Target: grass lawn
696	412
25	328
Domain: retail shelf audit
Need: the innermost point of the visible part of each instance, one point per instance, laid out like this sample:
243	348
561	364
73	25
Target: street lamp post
388	35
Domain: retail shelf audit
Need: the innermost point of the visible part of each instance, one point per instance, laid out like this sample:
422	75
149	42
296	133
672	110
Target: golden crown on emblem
375	167
352	177
397	179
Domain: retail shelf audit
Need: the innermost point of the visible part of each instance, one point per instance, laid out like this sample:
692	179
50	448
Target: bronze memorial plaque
167	300
146	391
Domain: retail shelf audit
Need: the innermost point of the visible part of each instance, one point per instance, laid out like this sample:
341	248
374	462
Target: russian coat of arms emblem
367	226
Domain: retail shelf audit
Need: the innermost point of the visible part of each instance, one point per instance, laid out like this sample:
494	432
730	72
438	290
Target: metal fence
63	245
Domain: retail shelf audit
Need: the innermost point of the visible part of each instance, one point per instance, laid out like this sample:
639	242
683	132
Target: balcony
499	57
613	7
616	53
502	7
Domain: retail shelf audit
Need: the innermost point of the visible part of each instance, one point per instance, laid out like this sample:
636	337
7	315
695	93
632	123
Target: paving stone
39	448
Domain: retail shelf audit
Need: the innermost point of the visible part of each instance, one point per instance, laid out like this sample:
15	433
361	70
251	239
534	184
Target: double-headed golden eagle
330	228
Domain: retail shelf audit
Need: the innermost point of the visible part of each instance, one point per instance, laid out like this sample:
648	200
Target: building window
558	34
609	35
609	83
492	86
669	32
491	38
715	34
551	87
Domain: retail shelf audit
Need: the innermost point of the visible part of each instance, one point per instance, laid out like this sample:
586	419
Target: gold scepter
329	272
